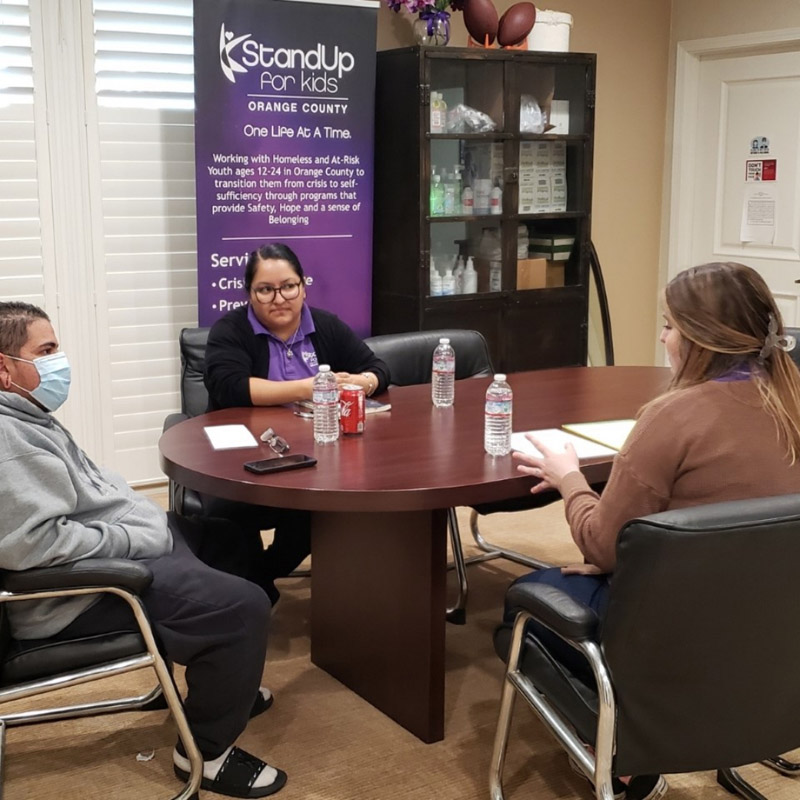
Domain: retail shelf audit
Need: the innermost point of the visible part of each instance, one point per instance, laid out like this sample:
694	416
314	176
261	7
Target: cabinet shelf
487	136
554	137
553	215
536	314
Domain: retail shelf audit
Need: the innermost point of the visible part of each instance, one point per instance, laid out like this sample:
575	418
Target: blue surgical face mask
54	379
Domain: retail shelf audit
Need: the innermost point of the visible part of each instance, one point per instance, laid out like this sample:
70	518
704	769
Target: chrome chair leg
457	614
502	552
731	780
504	719
2	754
782	765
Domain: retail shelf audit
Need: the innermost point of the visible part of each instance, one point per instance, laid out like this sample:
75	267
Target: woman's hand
582	569
551	468
366	380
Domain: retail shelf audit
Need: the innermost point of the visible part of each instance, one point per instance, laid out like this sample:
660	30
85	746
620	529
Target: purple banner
284	131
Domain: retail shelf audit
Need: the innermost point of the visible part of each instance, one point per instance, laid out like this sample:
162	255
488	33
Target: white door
740	193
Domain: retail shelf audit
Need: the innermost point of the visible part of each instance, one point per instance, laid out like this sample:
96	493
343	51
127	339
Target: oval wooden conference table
379	524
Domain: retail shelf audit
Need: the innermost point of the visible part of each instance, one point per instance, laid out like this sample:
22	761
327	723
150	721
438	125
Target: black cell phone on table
280	464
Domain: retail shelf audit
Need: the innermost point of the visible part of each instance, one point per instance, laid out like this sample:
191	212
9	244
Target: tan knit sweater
706	444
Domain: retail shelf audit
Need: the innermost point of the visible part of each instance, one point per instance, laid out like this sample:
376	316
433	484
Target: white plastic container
448	283
550	32
470	277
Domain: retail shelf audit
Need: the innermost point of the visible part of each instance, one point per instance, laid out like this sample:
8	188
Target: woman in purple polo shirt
266	353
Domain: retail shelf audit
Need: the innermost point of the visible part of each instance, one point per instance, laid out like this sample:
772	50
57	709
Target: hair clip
786	342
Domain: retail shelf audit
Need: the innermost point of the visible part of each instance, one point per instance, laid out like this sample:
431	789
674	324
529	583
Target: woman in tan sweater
728	428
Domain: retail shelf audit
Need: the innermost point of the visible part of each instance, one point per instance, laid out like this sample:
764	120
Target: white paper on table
555	439
229	437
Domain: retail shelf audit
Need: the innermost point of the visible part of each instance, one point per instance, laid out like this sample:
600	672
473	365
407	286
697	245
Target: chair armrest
564	615
173	419
100	572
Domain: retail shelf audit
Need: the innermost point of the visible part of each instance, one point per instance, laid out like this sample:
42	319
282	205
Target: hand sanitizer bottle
437	196
436	280
458	274
467	201
470	278
448	283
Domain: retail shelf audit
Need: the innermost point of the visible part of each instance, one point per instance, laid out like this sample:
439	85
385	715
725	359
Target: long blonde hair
727	319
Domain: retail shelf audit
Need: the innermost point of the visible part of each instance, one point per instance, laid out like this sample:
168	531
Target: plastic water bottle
326	406
444	375
497	417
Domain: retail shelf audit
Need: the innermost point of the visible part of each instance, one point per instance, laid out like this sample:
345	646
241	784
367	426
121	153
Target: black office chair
409	357
194	401
32	667
696	636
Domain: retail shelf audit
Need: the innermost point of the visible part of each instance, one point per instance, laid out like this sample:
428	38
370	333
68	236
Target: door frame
688	56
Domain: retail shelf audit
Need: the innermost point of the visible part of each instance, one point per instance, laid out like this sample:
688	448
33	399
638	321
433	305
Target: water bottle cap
500	377
324	368
444	341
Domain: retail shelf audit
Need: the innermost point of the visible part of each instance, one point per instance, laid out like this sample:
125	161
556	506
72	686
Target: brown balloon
516	24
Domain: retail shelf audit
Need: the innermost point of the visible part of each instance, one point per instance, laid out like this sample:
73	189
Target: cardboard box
554	273
558	191
558	156
532	273
559	116
553	247
535	154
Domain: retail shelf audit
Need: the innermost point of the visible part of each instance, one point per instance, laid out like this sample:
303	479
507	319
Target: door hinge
590	95
424	259
424	94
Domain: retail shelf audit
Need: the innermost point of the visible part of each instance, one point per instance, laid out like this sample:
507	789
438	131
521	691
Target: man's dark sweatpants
213	623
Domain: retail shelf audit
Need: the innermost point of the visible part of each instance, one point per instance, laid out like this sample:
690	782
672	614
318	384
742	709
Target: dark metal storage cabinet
534	174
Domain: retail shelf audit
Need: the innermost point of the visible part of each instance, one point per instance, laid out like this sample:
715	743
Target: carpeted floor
334	745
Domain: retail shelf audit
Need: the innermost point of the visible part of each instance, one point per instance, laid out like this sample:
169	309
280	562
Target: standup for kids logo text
254	54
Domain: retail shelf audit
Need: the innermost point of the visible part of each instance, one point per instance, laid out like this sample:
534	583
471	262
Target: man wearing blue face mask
57	507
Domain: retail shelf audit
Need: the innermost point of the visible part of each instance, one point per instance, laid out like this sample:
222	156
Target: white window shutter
21	262
145	129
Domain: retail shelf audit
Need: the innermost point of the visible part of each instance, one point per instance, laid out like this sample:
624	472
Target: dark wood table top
412	457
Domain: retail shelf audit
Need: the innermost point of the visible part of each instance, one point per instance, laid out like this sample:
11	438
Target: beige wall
631	39
702	19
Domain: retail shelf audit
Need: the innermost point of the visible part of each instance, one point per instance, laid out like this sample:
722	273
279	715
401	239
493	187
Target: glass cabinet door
553	133
465	176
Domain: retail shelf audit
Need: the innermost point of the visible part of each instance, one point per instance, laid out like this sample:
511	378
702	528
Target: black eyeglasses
276	443
266	294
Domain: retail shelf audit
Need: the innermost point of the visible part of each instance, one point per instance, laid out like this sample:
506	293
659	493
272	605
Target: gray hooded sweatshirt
57	507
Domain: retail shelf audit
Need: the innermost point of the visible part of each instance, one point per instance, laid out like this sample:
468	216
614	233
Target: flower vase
432	28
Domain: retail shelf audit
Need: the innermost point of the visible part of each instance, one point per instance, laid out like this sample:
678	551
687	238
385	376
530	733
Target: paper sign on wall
762	169
758	216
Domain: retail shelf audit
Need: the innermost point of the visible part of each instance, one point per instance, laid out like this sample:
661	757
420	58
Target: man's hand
551	468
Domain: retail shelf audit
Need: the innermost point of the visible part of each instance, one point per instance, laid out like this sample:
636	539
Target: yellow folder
611	432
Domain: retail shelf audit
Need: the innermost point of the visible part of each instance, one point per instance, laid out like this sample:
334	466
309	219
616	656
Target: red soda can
352	412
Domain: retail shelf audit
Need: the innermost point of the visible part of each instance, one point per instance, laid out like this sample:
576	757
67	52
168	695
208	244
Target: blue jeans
591	590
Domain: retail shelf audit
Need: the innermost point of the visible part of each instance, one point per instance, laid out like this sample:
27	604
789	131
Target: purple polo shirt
741	373
302	363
